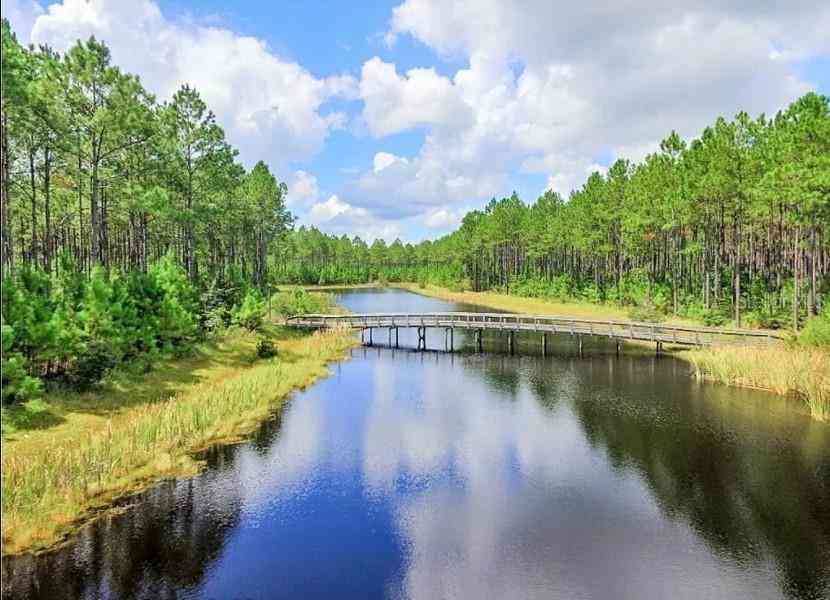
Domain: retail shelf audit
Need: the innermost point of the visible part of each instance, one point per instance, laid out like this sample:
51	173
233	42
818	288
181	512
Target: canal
464	475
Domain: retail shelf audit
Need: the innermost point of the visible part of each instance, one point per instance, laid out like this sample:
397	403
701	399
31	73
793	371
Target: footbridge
543	325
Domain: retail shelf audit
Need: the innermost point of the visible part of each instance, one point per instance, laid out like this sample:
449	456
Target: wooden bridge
508	323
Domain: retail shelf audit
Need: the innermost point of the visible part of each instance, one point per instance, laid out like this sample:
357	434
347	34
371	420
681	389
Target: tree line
732	226
94	168
129	228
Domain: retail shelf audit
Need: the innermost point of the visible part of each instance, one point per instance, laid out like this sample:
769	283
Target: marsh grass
784	369
112	444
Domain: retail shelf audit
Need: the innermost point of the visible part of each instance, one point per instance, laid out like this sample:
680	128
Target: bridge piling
422	338
510	341
544	344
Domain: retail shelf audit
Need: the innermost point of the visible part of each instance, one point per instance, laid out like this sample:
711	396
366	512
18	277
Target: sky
392	119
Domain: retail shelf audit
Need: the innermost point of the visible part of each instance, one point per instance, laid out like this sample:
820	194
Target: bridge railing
680	334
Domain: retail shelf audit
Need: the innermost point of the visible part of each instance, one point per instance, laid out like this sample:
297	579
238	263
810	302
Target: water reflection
424	475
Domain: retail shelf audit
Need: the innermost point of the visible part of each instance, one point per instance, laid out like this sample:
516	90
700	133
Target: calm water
436	475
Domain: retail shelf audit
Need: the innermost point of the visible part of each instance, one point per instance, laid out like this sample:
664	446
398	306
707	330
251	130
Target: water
436	475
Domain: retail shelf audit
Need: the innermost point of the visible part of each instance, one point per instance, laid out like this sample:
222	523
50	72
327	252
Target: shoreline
783	370
105	446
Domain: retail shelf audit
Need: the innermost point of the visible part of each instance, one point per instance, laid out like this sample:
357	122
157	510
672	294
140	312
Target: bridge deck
621	330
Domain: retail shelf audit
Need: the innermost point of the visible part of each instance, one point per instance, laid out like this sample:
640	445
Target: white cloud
394	103
302	189
554	86
270	108
21	15
328	210
443	219
385	159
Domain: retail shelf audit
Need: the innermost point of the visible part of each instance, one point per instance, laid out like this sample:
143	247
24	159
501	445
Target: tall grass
46	492
783	370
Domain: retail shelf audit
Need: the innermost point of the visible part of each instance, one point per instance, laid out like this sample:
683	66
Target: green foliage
90	366
251	313
299	302
646	313
265	348
816	332
18	385
74	329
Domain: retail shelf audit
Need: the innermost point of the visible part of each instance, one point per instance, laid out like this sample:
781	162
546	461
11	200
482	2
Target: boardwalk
541	324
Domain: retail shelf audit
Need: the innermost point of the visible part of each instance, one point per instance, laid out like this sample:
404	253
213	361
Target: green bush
300	302
265	348
251	313
90	366
17	384
816	331
646	312
73	327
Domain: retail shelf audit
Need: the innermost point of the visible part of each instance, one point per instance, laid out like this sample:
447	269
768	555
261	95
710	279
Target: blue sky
391	119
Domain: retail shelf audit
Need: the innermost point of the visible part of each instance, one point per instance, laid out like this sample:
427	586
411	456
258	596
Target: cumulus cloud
395	103
328	210
339	217
443	219
302	189
271	108
385	159
554	86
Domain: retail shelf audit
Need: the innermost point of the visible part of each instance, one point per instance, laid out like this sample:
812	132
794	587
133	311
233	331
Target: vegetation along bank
799	366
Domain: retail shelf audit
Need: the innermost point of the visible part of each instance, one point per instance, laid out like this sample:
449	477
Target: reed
785	369
51	487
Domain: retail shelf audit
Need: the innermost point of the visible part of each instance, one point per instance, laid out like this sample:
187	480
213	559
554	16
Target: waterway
460	474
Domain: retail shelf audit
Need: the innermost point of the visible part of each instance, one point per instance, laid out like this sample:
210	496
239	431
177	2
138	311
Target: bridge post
396	337
579	342
510	341
362	336
390	337
370	336
618	348
452	339
659	348
544	344
422	338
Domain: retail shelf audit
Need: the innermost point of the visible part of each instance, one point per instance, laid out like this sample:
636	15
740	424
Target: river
462	475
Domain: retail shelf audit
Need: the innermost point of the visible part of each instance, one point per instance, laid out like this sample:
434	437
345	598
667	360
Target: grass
535	306
67	457
783	369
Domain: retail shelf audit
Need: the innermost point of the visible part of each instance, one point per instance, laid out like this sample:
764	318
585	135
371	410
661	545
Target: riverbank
66	459
785	370
533	306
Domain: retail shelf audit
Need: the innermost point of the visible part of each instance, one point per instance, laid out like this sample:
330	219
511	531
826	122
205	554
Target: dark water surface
436	475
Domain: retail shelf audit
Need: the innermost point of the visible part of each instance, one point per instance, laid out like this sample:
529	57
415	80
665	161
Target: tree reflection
749	480
165	540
